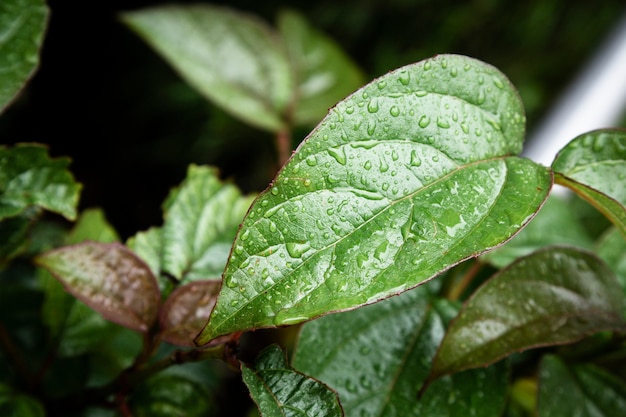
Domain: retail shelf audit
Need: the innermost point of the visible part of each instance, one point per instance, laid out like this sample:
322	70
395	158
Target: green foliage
401	219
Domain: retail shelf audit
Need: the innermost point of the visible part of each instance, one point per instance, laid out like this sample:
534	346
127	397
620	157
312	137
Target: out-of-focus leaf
170	396
404	179
388	348
555	224
612	249
594	166
186	311
29	177
324	74
553	296
278	390
110	279
233	59
18	405
22	27
13	233
92	225
581	390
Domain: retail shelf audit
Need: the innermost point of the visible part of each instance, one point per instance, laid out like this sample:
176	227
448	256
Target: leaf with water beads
404	179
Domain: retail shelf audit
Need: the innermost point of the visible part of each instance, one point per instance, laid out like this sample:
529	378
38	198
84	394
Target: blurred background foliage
131	125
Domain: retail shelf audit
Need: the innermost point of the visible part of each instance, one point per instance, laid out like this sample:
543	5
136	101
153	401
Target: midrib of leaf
586	167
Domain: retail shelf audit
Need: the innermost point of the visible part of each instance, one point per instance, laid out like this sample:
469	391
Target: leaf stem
457	290
283	146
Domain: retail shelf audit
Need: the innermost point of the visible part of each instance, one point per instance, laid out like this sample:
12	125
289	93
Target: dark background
131	126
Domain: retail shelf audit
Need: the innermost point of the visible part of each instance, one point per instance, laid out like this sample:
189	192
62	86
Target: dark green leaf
279	390
553	296
324	73
22	27
29	177
388	348
581	391
233	59
555	224
13	234
18	405
110	279
404	179
594	166
612	249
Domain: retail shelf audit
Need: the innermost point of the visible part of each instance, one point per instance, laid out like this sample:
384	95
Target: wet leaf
108	278
186	311
324	73
404	179
279	390
233	59
388	348
580	390
553	296
22	27
594	166
29	177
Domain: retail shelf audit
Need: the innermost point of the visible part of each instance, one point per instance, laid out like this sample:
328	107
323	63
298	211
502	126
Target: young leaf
593	165
582	390
148	246
388	348
279	390
553	296
233	59
110	279
323	72
186	310
404	179
22	27
92	225
29	177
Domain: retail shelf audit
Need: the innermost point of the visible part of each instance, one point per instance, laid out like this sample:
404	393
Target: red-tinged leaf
108	278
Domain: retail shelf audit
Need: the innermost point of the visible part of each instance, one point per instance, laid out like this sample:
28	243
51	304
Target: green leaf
92	225
233	59
108	278
404	179
18	405
553	296
388	348
148	246
555	224
612	249
279	390
323	72
594	166
581	390
22	27
29	177
13	235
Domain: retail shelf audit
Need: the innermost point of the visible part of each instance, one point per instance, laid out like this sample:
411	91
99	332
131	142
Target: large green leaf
612	249
594	166
323	72
407	177
280	391
22	27
580	391
388	348
553	296
233	59
29	177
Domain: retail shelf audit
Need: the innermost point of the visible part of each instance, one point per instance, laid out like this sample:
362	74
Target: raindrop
307	182
231	282
380	250
394	155
372	106
453	72
435	158
421	93
415	159
382	84
238	249
296	250
339	154
274	191
367	165
498	83
272	227
234	303
349	110
245	235
361	258
394	111
371	127
384	167
427	65
424	121
481	96
385	186
443	123
465	127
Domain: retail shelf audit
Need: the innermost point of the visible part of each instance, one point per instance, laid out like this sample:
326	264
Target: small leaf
279	390
612	249
593	165
29	177
92	225
581	390
186	310
553	296
388	348
404	179
22	27
148	246
233	59
324	73
110	279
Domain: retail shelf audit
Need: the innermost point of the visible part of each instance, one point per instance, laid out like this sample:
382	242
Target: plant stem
457	290
283	146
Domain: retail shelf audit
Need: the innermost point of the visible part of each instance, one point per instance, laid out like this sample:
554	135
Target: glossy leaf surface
388	348
407	177
553	296
594	166
29	177
279	391
233	59
22	27
324	73
110	279
581	390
